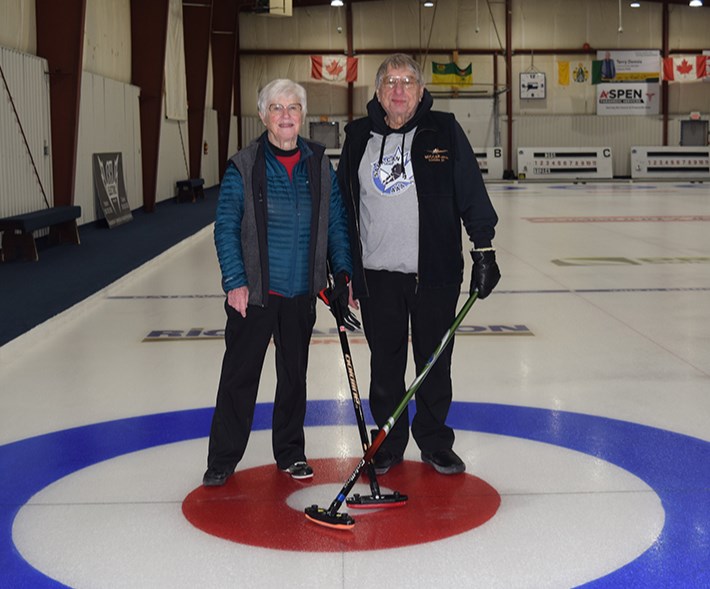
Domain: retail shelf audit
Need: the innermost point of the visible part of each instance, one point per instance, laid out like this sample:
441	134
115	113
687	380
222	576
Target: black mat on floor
32	292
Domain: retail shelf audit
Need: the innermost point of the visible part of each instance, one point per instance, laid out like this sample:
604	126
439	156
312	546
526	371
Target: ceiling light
635	5
428	4
336	3
695	3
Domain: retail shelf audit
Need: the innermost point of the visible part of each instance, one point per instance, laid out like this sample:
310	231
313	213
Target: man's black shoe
215	478
384	460
444	461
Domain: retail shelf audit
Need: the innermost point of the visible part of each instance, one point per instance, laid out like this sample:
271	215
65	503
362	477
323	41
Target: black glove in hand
339	295
485	274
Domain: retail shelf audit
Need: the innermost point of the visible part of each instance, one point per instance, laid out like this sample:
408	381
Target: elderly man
409	178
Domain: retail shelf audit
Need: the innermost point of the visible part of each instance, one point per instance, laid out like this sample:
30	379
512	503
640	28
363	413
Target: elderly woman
409	179
279	219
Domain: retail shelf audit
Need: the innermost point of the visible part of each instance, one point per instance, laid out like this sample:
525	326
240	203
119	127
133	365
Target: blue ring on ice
675	466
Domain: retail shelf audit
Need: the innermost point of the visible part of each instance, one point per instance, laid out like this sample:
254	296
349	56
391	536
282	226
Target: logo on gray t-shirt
394	174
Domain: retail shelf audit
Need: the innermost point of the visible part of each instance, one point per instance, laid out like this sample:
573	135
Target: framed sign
110	188
532	85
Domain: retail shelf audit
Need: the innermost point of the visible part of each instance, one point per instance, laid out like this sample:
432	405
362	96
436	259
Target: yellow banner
563	73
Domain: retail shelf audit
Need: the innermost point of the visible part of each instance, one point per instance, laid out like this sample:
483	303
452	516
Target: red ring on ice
252	509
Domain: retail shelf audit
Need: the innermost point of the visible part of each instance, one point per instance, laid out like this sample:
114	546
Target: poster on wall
628	99
627	82
111	189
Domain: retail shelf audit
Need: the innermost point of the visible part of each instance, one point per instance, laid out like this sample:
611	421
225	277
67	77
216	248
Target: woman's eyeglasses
280	109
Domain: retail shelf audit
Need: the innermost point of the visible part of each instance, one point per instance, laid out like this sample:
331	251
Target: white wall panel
476	117
107	39
28	84
109	121
17	25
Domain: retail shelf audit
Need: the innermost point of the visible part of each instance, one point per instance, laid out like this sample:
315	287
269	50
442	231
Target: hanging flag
570	72
563	73
580	73
449	74
334	68
603	70
685	68
597	71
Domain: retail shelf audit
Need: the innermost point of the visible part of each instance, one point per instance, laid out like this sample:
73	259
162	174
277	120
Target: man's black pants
395	299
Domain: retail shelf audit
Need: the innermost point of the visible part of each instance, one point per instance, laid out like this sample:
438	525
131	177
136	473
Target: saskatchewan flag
449	74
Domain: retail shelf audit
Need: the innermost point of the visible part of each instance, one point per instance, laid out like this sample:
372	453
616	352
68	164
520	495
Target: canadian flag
685	68
334	68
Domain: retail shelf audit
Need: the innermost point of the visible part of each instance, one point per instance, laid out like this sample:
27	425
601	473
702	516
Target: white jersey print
395	173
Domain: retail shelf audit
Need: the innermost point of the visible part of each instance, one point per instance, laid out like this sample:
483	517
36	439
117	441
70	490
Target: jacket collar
307	148
377	115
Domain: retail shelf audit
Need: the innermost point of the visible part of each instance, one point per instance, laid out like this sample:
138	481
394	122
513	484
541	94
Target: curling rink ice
581	408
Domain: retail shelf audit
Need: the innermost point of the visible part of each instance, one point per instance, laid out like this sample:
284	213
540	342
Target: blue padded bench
17	230
190	190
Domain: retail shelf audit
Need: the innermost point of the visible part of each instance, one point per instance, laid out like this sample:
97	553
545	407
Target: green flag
449	74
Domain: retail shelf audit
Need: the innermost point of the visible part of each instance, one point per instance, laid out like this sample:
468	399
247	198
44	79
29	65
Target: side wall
28	90
109	116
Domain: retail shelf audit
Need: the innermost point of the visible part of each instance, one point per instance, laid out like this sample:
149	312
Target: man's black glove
339	294
485	274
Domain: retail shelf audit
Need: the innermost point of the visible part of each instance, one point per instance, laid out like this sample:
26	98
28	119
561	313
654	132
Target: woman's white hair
281	87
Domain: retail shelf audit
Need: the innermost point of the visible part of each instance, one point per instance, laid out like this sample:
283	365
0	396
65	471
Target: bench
17	230
190	190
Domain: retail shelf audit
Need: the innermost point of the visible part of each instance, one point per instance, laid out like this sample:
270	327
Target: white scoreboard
564	163
490	160
671	162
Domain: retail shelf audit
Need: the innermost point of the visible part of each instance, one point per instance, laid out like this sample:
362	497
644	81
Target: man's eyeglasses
279	109
407	82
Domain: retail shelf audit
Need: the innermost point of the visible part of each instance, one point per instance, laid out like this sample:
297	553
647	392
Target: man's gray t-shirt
389	212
